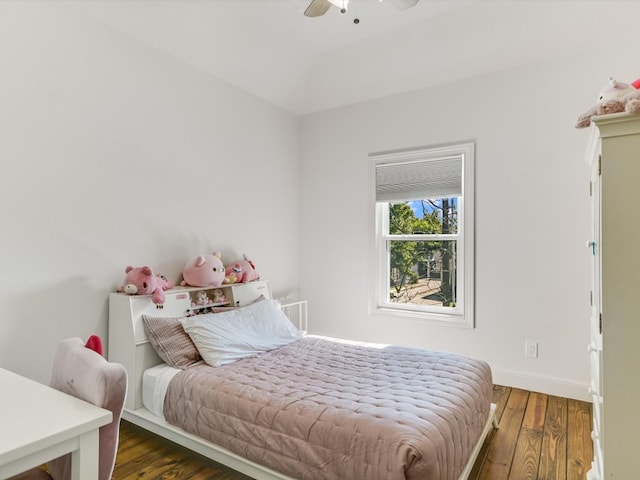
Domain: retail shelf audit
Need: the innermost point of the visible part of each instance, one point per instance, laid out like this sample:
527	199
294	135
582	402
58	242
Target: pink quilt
321	408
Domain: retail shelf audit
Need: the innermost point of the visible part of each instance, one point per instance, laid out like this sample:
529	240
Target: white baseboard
560	387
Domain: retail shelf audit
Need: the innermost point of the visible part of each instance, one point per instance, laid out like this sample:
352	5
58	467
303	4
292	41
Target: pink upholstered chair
84	373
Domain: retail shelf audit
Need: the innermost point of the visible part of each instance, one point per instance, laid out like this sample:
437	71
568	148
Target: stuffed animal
241	271
204	271
142	281
615	97
219	296
202	299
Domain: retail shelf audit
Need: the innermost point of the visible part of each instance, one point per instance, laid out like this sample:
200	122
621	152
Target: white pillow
225	337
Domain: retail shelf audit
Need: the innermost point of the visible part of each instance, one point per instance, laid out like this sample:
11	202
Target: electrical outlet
531	349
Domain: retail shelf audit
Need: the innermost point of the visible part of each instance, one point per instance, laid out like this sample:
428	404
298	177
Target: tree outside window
423	271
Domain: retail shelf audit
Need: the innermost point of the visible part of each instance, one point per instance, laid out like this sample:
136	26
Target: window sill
431	318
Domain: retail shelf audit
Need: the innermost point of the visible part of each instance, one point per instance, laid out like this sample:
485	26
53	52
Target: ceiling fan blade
317	8
404	4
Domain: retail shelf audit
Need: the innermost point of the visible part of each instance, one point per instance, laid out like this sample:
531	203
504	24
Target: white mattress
155	382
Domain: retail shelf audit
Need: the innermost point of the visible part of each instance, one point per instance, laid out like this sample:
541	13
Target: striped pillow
171	342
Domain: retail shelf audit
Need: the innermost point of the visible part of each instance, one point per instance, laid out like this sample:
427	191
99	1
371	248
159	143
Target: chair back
85	374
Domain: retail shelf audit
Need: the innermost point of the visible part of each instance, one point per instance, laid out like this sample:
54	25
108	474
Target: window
424	233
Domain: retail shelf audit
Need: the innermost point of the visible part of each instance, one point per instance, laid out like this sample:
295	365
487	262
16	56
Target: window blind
418	179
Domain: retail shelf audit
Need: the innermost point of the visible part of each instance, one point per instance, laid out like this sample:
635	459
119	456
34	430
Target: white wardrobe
614	156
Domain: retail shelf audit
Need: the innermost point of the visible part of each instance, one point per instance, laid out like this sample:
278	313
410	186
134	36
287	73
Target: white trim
443	318
561	387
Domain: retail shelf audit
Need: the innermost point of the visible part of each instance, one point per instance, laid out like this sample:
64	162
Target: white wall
532	215
114	154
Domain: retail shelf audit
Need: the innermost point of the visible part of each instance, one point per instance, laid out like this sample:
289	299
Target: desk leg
84	461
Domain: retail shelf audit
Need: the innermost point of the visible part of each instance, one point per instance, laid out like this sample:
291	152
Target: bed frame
128	345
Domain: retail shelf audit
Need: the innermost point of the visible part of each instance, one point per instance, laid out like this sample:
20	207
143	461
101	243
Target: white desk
39	423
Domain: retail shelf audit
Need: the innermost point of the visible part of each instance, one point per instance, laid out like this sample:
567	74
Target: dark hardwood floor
540	437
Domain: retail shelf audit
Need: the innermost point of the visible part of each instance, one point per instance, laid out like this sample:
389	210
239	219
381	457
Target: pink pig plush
204	271
142	281
241	271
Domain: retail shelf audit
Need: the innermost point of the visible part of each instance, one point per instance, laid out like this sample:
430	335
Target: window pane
424	216
423	273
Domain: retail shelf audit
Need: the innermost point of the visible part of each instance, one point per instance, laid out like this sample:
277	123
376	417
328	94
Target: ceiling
304	65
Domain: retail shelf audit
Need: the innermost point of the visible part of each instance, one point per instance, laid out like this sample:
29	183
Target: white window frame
462	315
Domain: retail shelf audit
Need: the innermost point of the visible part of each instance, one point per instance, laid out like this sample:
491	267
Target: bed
311	408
